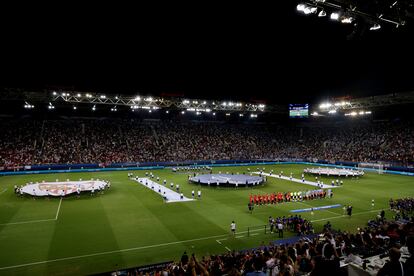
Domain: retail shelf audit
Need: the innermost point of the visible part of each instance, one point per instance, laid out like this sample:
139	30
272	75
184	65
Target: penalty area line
25	222
342	216
35	221
3	191
58	210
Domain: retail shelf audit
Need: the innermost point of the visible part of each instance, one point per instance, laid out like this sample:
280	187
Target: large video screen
298	110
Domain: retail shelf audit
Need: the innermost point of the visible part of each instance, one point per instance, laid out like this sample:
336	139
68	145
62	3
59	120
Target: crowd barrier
68	168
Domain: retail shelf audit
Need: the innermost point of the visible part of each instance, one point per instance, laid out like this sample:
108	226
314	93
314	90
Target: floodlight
334	16
300	7
375	27
322	13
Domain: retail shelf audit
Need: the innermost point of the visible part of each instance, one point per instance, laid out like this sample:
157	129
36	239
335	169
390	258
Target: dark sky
233	52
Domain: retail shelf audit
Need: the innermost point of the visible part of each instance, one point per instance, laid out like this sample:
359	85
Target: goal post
377	167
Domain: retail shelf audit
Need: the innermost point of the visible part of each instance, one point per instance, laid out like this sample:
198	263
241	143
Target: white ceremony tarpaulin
63	188
168	194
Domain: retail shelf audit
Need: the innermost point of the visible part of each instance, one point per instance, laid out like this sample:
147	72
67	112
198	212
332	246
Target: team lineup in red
280	197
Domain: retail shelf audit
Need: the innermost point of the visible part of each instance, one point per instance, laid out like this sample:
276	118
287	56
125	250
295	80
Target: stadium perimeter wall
64	168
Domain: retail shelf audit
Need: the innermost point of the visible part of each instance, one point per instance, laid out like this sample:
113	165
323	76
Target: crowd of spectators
30	142
321	255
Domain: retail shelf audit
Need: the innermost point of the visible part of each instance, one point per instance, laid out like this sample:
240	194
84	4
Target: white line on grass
238	237
29	221
219	241
119	251
57	212
3	191
227	248
254	234
341	216
35	221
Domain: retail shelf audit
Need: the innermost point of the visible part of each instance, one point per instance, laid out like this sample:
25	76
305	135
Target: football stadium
216	153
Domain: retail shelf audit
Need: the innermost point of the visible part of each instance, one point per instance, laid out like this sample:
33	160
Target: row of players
288	196
192	168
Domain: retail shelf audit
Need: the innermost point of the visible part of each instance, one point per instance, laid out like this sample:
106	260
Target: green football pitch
130	225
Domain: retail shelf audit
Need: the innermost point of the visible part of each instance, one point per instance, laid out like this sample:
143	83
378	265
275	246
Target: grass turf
130	225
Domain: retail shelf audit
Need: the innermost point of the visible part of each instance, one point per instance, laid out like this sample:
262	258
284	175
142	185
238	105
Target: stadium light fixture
195	102
314	113
50	106
79	95
368	112
300	7
149	99
114	109
167	111
191	109
183	112
334	16
94	108
186	102
150	111
214	113
347	20
204	102
253	115
208	110
375	27
103	97
74	107
332	111
227	114
322	13
54	93
241	115
137	98
116	98
198	113
28	106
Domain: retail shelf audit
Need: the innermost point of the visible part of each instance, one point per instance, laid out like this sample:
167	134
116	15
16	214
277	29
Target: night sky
238	52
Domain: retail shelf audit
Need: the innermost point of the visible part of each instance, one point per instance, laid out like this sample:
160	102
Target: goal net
379	167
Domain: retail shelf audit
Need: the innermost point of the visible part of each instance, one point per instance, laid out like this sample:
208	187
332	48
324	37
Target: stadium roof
241	52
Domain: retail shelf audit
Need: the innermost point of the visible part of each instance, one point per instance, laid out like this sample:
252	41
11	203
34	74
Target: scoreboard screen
298	110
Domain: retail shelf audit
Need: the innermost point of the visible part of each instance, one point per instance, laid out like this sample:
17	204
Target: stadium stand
30	142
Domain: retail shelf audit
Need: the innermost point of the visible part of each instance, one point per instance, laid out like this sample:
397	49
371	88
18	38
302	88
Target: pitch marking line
219	241
58	210
341	216
25	222
254	234
227	248
120	251
3	191
35	221
238	237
